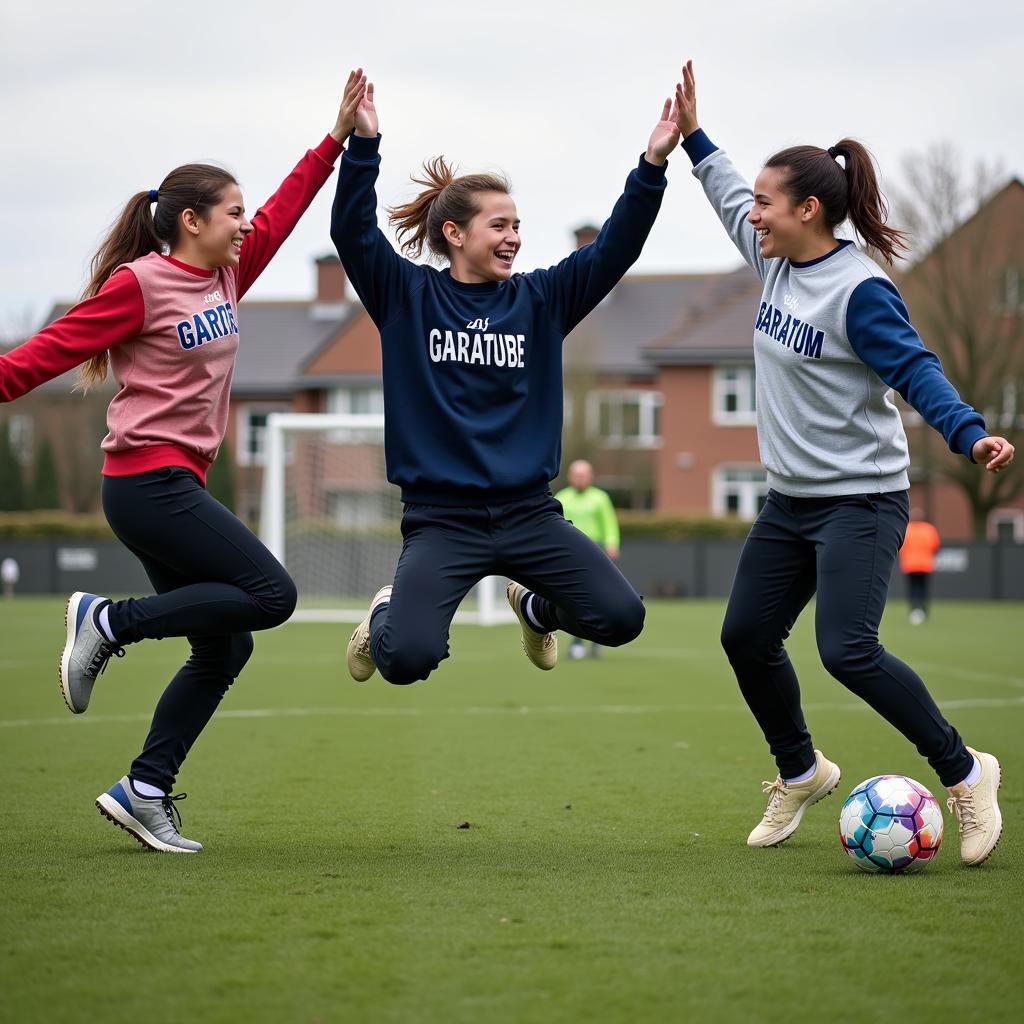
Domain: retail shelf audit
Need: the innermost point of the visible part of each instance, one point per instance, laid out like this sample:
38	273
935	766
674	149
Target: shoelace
103	654
171	811
775	790
363	650
965	811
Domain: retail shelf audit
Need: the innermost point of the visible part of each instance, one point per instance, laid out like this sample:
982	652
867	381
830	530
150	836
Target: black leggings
446	551
844	550
215	583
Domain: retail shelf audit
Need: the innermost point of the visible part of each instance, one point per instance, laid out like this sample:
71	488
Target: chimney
585	234
330	281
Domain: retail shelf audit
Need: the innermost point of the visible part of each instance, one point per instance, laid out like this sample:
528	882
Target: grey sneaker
358	657
540	648
151	821
86	652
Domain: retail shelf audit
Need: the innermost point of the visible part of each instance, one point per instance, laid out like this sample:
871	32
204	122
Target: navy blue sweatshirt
473	372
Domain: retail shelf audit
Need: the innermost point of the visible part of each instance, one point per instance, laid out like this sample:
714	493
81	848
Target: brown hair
445	198
139	230
852	192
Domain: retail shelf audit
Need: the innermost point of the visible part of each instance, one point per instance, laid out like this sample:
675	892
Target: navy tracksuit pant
842	549
446	551
215	582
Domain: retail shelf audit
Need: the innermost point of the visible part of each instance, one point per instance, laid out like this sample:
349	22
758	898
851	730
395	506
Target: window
356	401
625	419
252	434
1006	524
20	433
1008	413
1009	290
739	491
733	396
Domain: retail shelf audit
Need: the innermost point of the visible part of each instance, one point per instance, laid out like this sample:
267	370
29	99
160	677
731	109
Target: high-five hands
686	102
354	89
665	136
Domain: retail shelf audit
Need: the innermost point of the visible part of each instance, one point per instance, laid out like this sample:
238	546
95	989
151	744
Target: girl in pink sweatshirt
161	310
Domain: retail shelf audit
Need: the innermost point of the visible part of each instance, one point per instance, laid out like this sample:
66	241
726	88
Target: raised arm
275	220
113	315
577	284
378	274
728	192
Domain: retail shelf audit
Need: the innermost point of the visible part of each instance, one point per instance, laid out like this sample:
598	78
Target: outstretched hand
354	88
995	453
686	102
665	136
366	113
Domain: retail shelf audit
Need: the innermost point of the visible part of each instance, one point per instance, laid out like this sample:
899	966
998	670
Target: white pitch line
518	710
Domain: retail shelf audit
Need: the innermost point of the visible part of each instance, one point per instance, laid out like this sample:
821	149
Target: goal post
329	515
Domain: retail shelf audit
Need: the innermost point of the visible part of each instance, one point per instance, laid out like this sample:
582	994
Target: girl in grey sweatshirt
832	339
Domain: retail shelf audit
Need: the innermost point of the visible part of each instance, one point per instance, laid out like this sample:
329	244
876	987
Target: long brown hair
852	192
140	230
445	198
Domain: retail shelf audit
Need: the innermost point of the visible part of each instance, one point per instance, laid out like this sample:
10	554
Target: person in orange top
917	562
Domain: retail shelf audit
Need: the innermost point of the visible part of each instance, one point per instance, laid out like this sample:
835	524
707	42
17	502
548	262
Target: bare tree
967	233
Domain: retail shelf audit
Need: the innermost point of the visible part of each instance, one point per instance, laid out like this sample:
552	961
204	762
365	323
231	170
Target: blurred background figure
10	573
917	562
590	510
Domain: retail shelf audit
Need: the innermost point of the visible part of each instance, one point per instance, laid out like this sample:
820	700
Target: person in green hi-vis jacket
590	510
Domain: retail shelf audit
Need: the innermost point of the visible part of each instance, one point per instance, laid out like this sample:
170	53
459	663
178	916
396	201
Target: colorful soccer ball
891	824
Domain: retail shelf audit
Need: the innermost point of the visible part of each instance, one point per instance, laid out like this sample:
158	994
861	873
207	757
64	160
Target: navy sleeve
576	285
379	275
698	146
880	331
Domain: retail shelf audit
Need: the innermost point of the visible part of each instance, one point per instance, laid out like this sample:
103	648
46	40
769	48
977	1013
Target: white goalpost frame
492	608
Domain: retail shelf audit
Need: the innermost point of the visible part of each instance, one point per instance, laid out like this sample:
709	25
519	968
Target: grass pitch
603	874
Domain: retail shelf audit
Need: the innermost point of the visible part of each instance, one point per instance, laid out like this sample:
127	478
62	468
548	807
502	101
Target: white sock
144	789
103	621
975	773
530	617
802	778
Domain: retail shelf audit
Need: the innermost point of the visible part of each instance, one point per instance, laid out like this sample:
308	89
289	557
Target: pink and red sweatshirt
171	331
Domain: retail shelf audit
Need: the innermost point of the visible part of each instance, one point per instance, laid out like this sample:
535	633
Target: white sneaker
916	617
787	802
977	811
577	650
540	648
360	661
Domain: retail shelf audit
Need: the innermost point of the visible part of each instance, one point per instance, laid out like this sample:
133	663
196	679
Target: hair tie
154	195
833	151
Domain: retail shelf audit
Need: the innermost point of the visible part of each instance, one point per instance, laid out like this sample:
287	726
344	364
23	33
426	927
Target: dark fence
974	570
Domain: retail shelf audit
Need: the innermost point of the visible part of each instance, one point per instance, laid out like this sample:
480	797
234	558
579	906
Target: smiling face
214	239
782	227
485	248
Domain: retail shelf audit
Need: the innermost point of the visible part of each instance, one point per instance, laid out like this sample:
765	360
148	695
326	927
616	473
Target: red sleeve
273	221
114	314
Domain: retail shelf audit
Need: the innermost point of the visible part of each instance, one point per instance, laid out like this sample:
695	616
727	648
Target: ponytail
444	198
853	193
141	230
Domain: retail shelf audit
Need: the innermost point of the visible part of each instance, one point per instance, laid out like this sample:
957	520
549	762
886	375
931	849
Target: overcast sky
100	100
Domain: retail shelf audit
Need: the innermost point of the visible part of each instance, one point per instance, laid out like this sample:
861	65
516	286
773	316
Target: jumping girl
162	309
831	338
472	365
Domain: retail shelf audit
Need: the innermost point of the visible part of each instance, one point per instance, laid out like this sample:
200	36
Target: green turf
603	877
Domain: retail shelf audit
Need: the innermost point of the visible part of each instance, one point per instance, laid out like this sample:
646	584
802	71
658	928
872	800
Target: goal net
332	519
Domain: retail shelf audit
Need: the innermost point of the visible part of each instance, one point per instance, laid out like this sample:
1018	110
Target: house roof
642	311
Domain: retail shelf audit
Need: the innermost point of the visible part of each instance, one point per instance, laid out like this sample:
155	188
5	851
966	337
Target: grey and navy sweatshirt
473	372
832	338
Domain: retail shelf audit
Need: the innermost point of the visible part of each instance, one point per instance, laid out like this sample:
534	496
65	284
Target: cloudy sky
100	100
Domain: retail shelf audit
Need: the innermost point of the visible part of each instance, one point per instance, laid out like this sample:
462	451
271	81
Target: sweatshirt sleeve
730	195
113	315
880	331
379	275
609	523
274	221
576	285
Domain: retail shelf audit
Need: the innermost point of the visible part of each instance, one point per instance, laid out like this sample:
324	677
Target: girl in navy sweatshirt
472	368
831	339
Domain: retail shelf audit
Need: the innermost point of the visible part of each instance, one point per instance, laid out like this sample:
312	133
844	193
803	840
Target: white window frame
340	400
1014	516
21	433
648	402
1009	298
749	490
738	380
